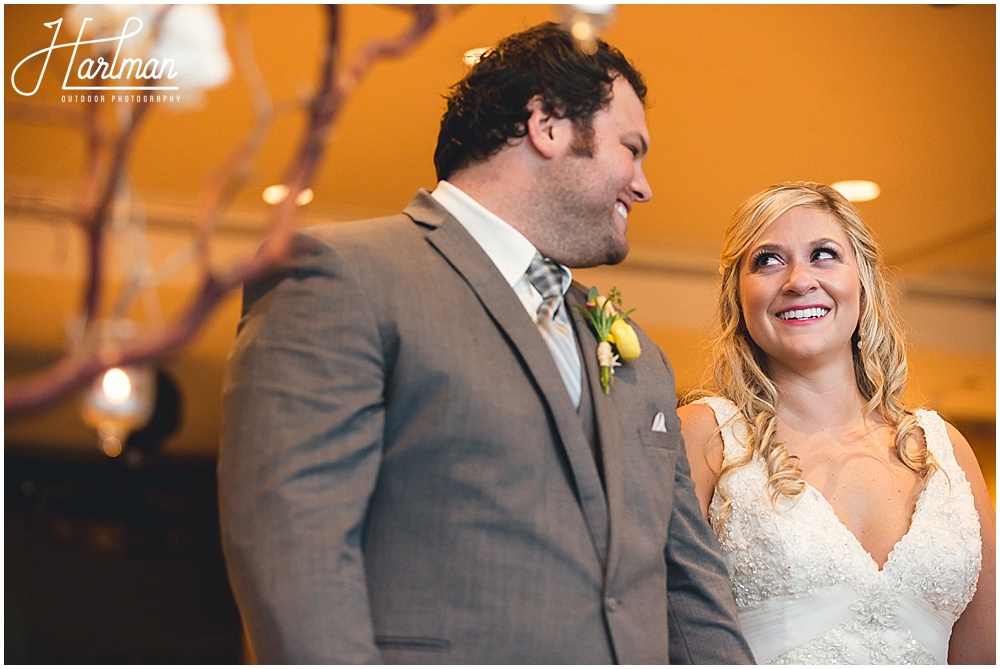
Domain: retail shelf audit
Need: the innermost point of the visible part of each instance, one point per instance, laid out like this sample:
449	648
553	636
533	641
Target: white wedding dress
807	592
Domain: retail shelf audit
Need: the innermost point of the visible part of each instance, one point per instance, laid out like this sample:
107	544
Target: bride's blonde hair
740	369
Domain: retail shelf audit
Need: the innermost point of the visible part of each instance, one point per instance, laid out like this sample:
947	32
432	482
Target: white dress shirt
509	250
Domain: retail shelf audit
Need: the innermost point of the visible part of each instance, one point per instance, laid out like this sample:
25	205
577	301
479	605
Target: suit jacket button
612	603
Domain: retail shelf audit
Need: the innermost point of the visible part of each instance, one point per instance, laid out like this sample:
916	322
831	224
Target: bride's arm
704	449
973	639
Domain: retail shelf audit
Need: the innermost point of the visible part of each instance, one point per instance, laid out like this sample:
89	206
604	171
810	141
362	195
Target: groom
418	463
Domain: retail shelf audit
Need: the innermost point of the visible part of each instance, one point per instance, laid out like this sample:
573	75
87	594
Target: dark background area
114	561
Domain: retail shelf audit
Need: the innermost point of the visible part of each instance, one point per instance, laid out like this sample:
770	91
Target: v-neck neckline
857	542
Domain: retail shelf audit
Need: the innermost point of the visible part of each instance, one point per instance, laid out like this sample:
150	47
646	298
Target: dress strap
734	428
936	437
939	445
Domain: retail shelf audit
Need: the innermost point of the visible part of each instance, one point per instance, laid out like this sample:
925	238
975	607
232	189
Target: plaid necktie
553	323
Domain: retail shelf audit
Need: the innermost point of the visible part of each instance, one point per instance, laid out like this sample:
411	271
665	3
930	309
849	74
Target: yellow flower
604	304
626	341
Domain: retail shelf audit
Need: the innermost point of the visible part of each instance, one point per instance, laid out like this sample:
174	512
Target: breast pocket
670	441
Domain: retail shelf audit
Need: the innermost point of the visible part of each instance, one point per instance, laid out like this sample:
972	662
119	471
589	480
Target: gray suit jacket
404	479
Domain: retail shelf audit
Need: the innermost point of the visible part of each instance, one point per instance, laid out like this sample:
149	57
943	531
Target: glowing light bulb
118	402
117	386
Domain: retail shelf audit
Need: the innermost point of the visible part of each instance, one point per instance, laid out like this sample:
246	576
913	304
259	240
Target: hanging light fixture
120	399
586	21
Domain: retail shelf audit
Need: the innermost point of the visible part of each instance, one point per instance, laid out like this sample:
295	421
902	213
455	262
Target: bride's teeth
800	314
620	208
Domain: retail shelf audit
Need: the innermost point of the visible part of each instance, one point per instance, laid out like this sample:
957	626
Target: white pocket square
659	423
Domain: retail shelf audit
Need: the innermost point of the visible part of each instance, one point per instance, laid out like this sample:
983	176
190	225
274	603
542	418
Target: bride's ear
550	135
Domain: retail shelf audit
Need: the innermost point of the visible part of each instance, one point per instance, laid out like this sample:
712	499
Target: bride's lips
806	313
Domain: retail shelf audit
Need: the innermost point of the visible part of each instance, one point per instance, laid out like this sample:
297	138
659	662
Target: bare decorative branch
79	367
97	199
227	180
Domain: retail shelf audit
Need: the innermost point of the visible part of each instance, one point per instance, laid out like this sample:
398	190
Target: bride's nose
799	280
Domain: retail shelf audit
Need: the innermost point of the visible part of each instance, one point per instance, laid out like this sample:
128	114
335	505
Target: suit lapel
606	421
470	261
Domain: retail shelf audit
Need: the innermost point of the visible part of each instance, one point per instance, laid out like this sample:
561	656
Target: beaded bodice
807	591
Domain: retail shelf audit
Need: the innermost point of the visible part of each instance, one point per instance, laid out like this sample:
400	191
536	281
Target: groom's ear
550	135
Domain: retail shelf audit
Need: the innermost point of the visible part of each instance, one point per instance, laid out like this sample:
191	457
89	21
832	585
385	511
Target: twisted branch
80	367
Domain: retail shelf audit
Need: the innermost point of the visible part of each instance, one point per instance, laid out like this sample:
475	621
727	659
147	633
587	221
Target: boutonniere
617	338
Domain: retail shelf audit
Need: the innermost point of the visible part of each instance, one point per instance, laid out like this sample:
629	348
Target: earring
859	344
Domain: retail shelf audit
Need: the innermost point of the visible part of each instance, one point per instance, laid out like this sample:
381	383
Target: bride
856	529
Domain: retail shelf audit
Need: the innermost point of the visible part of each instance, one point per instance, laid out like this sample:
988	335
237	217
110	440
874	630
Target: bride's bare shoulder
704	446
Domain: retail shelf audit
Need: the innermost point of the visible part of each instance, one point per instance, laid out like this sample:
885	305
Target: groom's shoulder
384	235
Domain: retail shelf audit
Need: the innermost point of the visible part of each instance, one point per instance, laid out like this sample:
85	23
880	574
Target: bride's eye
764	258
826	253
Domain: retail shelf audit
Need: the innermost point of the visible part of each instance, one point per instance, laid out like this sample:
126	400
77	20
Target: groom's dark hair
489	106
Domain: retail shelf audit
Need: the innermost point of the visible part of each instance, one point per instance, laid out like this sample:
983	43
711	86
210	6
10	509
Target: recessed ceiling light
858	190
305	197
275	194
472	56
278	192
